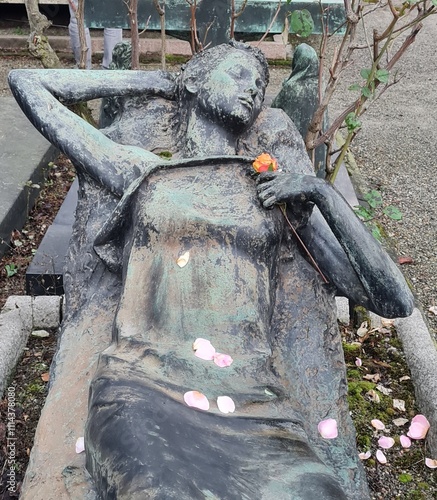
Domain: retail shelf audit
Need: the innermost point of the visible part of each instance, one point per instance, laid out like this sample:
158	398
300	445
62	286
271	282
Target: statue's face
233	92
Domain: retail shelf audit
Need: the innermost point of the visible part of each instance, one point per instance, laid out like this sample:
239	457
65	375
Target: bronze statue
246	286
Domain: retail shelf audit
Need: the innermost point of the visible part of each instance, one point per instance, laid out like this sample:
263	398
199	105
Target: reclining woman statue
246	286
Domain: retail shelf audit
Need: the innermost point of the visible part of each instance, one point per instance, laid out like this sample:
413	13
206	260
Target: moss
280	62
416	495
359	315
357	388
395	342
423	486
354	375
165	154
351	351
405	478
35	388
364	441
173	59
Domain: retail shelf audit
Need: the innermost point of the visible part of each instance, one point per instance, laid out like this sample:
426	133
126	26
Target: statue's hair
205	60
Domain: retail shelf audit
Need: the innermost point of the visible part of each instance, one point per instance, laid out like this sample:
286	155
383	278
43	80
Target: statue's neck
205	138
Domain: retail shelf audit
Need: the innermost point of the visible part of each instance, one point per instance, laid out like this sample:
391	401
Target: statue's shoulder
273	132
277	126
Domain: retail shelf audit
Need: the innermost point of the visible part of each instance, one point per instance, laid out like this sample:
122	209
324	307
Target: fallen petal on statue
206	352
358	362
225	404
80	445
386	442
183	259
196	399
223	360
199	342
382	459
432	464
204	349
405	441
328	428
377	424
365	456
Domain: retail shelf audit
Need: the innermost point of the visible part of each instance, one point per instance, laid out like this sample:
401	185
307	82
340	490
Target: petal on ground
386	442
377	424
382	459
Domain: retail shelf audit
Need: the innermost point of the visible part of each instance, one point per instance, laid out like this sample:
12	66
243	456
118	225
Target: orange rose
265	163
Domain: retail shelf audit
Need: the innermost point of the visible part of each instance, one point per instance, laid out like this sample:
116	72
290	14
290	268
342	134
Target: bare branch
235	15
132	8
161	12
271	24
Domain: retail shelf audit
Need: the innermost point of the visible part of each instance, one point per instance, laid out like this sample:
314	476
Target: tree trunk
38	43
132	6
161	12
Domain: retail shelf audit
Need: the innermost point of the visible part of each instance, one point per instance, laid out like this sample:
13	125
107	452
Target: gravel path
396	152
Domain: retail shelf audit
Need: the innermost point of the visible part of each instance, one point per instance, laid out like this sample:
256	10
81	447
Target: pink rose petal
80	444
358	362
422	420
225	404
205	352
417	431
204	349
377	424
382	459
405	441
365	456
222	360
328	428
197	400
386	442
432	464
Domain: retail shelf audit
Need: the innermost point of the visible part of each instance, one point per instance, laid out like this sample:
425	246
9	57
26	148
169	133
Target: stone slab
44	276
15	326
24	155
19	316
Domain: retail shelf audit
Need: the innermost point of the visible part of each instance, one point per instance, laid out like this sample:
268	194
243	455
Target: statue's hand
283	187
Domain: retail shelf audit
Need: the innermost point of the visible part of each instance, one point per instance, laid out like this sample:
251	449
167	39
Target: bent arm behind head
38	92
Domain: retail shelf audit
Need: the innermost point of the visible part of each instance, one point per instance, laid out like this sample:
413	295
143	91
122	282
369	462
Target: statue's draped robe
248	290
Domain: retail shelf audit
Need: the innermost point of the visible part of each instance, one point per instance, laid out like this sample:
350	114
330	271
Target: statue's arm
383	288
42	94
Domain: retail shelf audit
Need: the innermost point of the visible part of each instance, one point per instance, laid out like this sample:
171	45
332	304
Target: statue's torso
226	291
